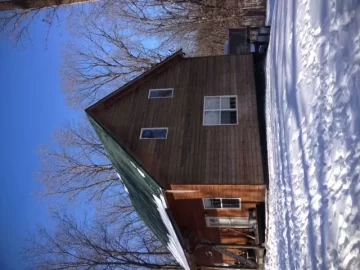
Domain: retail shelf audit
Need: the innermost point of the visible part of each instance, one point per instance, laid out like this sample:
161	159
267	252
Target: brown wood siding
250	193
192	153
189	214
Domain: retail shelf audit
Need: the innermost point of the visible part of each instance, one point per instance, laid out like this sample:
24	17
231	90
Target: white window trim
250	224
204	199
161	89
219	110
141	132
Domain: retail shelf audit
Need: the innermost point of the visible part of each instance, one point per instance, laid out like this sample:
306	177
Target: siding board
193	153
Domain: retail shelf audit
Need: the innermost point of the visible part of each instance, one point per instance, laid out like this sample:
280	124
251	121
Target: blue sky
32	107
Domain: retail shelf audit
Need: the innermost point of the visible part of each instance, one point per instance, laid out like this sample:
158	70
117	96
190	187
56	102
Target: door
229	222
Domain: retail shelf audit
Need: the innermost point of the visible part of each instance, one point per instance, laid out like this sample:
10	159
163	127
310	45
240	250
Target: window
154	133
220	110
161	93
221	203
229	222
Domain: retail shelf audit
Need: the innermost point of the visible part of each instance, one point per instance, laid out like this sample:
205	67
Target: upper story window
221	203
220	110
161	93
154	133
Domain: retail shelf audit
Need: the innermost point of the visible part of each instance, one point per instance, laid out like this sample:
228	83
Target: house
184	138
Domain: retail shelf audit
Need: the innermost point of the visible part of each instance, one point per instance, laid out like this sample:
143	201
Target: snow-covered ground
313	125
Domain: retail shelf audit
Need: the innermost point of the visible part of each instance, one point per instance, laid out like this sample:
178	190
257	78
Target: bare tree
77	164
118	40
17	16
16	23
84	244
110	57
179	21
78	167
31	4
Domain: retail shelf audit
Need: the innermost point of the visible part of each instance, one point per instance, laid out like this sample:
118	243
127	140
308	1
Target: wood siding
189	214
192	153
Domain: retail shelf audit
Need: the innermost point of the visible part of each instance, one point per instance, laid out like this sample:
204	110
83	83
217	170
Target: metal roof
142	189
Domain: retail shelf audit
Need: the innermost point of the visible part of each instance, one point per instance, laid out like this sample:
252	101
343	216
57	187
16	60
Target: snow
125	188
313	129
174	245
269	11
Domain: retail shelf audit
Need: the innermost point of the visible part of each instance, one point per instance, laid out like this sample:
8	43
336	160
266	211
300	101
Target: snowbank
269	11
313	126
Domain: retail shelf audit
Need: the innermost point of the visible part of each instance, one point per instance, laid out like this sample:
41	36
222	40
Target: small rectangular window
222	203
220	110
161	93
153	133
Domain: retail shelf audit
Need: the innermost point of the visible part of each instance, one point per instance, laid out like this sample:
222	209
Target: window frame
221	110
156	128
222	208
160	89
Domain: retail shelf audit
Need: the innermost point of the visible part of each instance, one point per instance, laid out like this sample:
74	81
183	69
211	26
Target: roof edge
109	132
135	80
175	247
